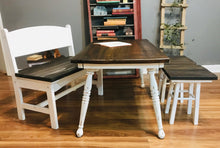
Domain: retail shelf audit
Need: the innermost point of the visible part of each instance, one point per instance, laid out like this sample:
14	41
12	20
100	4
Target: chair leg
100	82
52	108
196	115
169	98
189	108
164	85
175	100
19	101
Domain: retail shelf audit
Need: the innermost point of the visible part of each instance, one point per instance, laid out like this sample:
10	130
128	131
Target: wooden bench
191	74
164	81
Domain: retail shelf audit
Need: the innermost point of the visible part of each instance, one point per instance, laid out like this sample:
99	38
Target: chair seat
188	72
52	71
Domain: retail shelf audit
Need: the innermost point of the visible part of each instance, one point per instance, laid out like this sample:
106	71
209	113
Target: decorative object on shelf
100	10
125	1
128	31
171	31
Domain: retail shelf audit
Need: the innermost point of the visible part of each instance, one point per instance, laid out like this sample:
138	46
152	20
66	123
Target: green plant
172	34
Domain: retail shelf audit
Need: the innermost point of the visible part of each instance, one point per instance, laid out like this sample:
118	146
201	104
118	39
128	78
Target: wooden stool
179	75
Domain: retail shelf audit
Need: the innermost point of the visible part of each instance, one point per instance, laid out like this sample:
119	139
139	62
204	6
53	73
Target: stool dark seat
181	74
52	71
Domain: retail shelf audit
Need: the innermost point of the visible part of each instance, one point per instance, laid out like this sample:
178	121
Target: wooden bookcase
132	21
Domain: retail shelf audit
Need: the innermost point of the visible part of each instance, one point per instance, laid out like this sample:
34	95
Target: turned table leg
156	103
85	103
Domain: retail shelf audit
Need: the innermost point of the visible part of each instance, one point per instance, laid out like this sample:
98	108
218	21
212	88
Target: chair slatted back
37	39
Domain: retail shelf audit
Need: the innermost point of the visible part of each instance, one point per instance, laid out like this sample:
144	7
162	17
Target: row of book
114	21
100	33
122	10
107	1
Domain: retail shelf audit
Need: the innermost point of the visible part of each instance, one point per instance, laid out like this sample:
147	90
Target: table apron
121	66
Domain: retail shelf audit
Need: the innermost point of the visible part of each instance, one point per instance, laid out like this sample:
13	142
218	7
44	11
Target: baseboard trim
213	68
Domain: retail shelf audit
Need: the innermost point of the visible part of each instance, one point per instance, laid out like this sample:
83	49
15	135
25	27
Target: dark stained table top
141	51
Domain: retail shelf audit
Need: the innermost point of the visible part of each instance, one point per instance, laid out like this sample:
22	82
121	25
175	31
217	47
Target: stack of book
106	35
122	10
107	1
100	33
114	21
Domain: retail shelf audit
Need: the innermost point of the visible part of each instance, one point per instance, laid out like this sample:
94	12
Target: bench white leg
169	97
182	92
189	108
164	85
156	103
197	100
100	82
85	103
19	101
142	78
52	108
175	100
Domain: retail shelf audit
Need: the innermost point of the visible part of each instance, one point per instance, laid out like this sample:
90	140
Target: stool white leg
164	85
100	82
196	116
142	78
182	92
156	103
175	100
189	108
85	103
169	98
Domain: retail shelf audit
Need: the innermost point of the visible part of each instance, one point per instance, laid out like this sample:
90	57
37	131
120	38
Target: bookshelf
111	20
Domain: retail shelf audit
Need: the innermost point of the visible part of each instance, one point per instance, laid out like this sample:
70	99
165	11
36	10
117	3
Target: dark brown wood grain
188	72
180	60
141	51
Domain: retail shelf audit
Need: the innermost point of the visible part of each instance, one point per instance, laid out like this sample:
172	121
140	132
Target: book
119	13
122	10
114	23
105	34
112	20
105	31
116	17
106	38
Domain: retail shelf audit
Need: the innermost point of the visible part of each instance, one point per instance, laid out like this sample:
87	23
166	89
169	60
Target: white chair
49	77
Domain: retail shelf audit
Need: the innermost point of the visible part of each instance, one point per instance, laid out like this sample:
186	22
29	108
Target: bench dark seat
52	71
180	60
188	72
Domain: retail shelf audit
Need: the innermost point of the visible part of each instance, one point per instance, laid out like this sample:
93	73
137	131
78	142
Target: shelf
172	47
180	28
118	36
171	5
101	4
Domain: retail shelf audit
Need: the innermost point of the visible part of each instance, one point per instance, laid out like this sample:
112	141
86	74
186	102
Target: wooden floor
123	117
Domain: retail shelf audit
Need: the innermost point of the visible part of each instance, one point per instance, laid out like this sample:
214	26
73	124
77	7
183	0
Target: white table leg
142	78
85	103
156	103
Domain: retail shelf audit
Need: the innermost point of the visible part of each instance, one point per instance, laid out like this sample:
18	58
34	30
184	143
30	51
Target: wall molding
213	68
